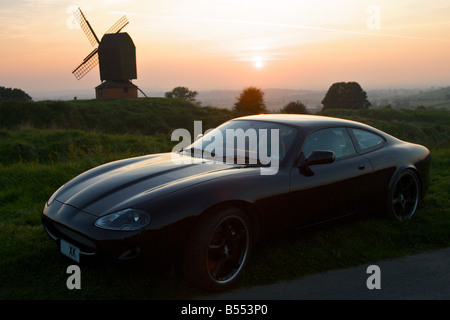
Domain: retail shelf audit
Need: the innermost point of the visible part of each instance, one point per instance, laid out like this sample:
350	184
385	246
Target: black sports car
206	205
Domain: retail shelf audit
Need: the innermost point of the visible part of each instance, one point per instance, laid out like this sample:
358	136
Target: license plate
70	250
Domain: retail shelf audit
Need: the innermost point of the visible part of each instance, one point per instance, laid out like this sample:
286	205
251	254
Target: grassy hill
57	131
44	144
434	99
135	116
428	127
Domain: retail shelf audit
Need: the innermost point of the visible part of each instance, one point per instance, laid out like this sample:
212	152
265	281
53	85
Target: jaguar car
205	205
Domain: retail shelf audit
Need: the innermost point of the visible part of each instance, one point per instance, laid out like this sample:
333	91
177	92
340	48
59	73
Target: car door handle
361	166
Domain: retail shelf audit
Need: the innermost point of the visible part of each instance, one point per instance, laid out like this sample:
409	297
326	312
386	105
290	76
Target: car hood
121	184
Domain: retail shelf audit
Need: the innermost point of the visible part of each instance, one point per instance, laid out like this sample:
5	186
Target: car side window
333	139
367	140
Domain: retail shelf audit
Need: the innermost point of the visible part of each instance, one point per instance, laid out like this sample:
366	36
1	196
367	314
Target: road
423	276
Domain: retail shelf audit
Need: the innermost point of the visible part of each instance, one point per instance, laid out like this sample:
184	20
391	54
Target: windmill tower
116	55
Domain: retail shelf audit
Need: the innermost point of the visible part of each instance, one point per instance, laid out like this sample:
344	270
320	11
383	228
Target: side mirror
320	157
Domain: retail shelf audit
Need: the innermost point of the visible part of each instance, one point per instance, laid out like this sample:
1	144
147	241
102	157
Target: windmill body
116	55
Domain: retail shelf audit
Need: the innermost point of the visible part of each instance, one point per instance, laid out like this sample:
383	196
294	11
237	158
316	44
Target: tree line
341	95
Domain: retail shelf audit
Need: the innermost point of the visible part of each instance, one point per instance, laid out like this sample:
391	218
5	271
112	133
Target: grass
37	158
132	117
60	146
430	128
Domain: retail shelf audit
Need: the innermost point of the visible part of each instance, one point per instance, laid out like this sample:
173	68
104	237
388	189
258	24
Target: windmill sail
84	24
87	65
118	26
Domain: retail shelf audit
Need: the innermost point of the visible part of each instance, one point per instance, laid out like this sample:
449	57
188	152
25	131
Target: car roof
302	120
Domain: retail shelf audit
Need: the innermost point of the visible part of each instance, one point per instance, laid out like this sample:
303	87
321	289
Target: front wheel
219	250
404	196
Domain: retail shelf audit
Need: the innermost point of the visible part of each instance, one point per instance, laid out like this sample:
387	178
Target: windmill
116	55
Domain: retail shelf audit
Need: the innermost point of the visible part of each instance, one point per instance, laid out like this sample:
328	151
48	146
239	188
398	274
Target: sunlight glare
258	62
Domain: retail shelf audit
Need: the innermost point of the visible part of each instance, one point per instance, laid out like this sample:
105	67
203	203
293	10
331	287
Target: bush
294	107
250	101
345	95
13	94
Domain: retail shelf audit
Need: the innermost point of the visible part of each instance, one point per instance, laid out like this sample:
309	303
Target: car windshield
245	142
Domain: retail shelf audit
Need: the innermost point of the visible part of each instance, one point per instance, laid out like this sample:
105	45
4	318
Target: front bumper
64	222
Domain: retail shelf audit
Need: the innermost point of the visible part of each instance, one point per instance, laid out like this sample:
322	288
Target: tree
182	93
250	101
294	107
345	95
13	94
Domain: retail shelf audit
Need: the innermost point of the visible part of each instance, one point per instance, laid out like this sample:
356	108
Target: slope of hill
438	99
134	116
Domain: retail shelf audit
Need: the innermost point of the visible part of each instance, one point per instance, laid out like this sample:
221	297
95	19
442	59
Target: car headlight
125	220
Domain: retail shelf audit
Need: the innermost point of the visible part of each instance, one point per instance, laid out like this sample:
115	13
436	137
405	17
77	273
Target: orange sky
231	44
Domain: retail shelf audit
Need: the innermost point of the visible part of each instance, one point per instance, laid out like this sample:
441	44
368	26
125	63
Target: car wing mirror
320	157
317	157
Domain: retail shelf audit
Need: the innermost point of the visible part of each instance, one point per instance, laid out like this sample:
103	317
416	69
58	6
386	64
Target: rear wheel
219	250
404	196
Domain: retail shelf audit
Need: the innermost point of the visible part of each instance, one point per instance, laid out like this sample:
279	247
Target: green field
44	144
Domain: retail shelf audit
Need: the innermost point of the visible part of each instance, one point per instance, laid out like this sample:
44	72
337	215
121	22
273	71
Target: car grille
57	232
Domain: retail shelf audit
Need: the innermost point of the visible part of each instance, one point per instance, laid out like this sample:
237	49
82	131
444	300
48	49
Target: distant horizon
275	98
161	91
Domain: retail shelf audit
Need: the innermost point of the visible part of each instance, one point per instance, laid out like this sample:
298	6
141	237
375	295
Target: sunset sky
232	44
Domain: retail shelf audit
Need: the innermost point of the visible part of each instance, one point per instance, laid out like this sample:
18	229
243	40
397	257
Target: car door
324	191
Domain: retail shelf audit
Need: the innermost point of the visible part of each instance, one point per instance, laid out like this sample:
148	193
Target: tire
219	250
404	196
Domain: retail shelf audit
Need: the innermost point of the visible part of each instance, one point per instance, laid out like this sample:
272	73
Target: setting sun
258	62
